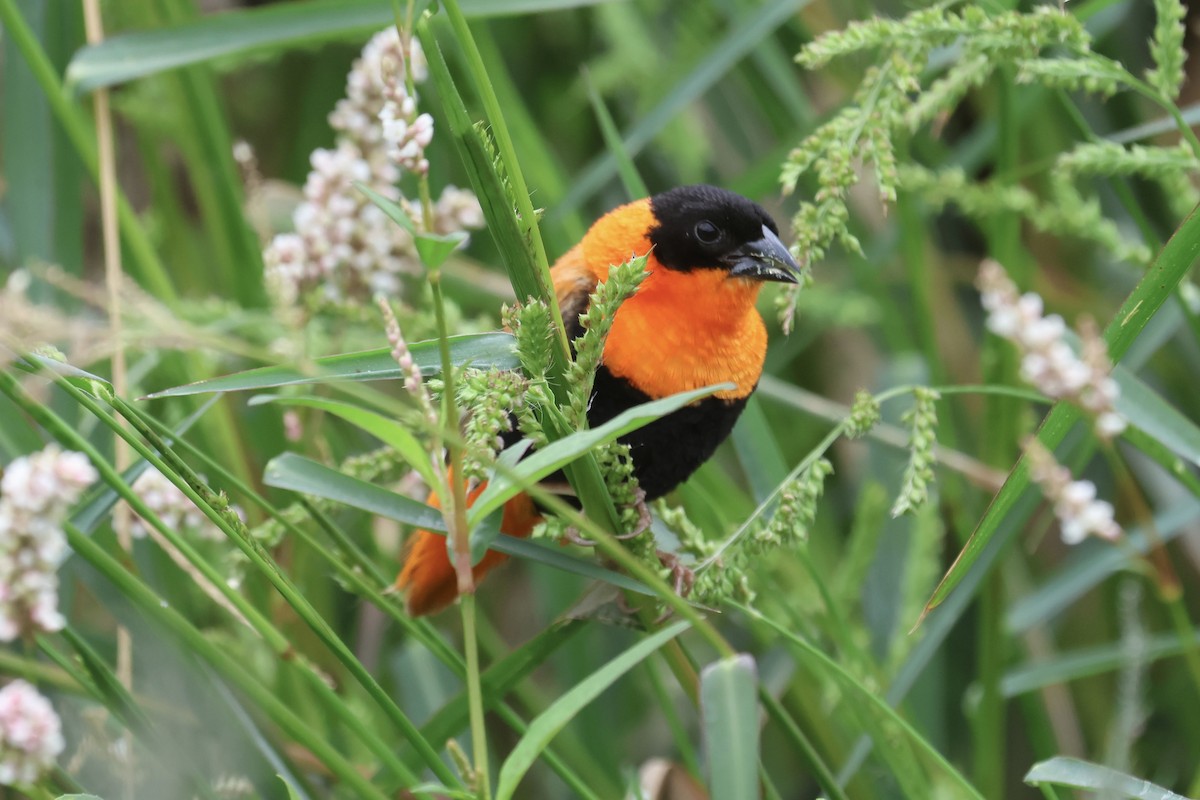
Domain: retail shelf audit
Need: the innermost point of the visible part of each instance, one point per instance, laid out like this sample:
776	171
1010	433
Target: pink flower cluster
30	734
344	248
1079	513
35	493
1047	362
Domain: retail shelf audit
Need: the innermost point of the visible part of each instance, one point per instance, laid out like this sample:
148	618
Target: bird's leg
572	534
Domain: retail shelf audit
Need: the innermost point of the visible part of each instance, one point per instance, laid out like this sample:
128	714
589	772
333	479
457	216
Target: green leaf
558	454
386	430
482	350
395	212
1080	774
291	792
1091	564
77	797
1146	409
565	708
1090	661
434	248
1156	286
729	707
233	37
299	474
500	679
718	59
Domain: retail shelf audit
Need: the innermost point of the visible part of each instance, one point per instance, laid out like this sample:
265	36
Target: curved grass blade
729	707
1091	661
743	37
564	709
483	350
1079	774
556	455
1091	565
299	474
383	428
1156	286
233	37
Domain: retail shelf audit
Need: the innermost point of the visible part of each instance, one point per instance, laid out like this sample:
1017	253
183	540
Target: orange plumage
693	323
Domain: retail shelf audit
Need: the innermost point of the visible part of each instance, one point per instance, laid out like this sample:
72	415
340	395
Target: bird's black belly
667	451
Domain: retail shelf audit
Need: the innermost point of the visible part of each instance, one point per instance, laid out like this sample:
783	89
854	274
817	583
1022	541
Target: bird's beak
765	259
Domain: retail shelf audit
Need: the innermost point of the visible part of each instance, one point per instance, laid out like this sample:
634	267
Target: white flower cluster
173	507
1047	361
35	493
345	249
30	734
1079	512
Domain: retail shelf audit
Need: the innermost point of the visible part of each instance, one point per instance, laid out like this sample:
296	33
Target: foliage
221	622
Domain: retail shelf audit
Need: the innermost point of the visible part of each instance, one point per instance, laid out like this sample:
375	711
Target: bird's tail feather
427	578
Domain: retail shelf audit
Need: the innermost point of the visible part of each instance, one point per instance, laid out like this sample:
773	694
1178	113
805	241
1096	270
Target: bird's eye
707	232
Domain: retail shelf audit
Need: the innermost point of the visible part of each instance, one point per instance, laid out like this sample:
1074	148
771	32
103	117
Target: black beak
765	259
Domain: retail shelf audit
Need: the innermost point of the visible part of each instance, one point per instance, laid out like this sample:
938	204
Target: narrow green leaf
1147	410
558	454
500	679
1157	284
563	710
729	706
1091	564
395	212
635	187
1080	774
291	792
232	37
744	35
299	474
434	248
386	430
483	350
1087	662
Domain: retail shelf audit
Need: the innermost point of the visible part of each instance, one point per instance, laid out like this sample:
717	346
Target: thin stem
479	742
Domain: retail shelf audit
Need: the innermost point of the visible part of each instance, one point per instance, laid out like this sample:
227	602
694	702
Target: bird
692	323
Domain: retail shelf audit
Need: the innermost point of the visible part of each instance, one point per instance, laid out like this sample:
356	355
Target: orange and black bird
693	323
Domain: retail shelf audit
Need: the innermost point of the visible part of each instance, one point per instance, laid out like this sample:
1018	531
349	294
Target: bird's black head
704	227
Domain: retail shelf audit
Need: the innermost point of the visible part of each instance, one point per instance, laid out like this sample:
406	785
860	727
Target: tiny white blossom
1080	513
1047	361
30	734
173	507
35	494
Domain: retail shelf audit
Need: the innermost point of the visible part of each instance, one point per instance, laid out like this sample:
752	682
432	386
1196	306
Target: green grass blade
635	187
558	454
500	679
482	350
383	428
299	474
233	37
1080	774
1091	661
1147	410
729	707
565	708
1092	564
1156	286
718	60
